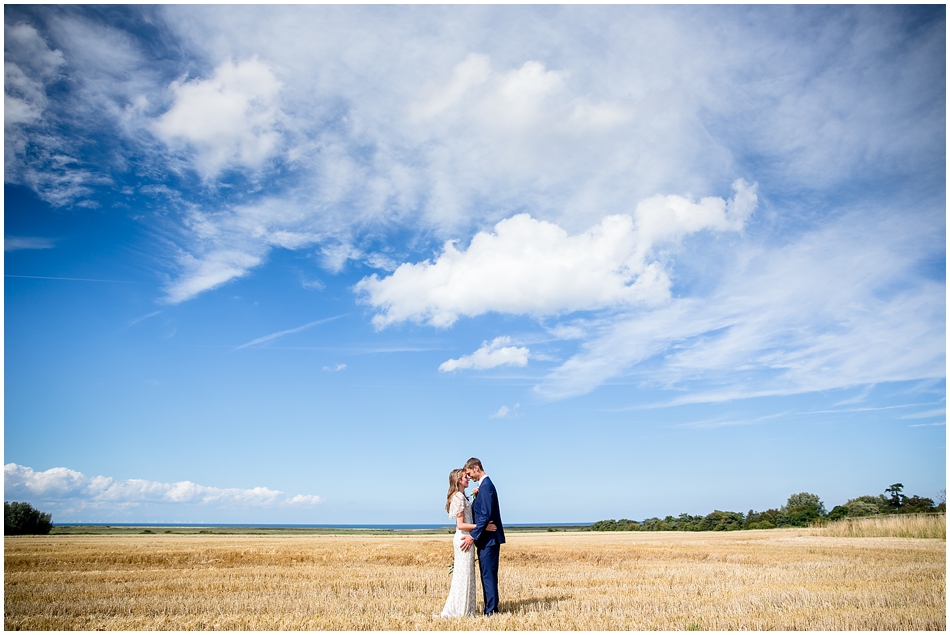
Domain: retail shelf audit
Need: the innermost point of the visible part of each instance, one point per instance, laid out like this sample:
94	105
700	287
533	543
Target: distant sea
295	526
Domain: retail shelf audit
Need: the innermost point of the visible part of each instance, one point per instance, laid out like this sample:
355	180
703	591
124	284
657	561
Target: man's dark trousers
488	565
485	509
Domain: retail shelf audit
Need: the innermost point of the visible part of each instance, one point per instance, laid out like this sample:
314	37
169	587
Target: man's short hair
473	462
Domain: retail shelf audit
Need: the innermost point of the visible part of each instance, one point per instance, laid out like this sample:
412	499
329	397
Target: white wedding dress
462	592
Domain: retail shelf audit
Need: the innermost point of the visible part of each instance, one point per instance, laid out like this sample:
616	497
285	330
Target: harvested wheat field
758	580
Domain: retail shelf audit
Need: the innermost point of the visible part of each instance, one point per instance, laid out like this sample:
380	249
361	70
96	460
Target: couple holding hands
478	524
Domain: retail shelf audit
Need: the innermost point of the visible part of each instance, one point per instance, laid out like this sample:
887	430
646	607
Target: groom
485	509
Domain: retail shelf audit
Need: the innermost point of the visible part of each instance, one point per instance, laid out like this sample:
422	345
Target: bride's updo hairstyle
454	477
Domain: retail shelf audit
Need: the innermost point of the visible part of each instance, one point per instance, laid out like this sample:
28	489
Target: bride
461	599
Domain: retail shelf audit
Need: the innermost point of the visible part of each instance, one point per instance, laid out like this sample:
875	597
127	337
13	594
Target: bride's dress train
461	599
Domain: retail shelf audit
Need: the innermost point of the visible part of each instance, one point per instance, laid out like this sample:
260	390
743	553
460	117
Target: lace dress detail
461	599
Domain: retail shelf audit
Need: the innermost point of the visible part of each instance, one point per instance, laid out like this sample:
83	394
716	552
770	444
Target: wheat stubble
758	580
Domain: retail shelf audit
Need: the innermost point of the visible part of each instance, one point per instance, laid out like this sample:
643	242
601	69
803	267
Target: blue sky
294	264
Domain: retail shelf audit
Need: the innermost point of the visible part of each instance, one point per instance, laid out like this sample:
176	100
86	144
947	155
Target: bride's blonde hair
454	477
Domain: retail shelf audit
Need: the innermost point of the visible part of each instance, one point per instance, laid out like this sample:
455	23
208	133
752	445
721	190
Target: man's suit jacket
484	509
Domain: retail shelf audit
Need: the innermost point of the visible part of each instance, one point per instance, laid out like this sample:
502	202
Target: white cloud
305	500
381	261
29	65
534	267
61	485
335	369
371	146
229	243
549	136
33	156
336	255
474	70
15	243
229	120
505	412
511	101
209	271
490	355
96	72
464	130
24	98
841	306
942	413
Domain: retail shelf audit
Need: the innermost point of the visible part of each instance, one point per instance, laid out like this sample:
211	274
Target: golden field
894	526
791	579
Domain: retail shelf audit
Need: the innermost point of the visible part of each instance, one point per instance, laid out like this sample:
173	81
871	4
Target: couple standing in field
478	524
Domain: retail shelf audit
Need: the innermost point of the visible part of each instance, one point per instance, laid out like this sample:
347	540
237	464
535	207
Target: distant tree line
801	510
21	518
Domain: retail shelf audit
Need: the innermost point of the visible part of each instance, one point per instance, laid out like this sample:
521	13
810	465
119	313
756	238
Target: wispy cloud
279	334
726	421
316	285
10	275
859	398
838	307
549	184
483	130
506	413
942	412
335	369
870	409
62	485
734	396
16	243
142	318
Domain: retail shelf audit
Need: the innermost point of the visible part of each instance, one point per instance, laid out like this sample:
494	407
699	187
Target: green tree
802	516
801	510
604	525
838	512
804	499
625	524
21	518
651	524
685	522
897	499
871	504
862	507
761	520
917	505
722	521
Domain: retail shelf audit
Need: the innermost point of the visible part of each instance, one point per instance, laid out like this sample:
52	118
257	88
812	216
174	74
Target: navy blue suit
484	510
